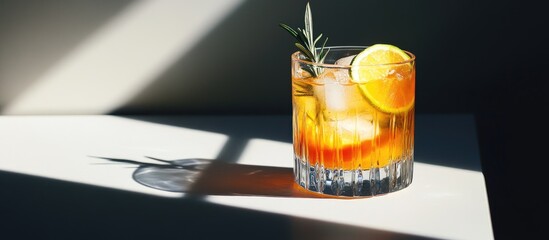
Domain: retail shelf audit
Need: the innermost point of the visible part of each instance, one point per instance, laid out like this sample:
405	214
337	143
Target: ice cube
338	97
334	88
345	61
335	96
331	93
361	126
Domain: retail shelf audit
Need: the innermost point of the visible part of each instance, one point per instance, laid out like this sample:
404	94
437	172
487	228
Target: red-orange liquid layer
331	153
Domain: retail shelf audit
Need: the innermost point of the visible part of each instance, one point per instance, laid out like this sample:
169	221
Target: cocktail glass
348	142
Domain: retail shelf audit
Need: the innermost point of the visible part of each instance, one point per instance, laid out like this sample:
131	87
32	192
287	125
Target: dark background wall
487	58
472	56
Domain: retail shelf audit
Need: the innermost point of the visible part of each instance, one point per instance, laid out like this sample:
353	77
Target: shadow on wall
148	58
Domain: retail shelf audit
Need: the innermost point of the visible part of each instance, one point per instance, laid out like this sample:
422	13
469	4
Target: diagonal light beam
121	58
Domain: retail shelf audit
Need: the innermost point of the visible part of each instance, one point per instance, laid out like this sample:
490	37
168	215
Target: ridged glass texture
343	144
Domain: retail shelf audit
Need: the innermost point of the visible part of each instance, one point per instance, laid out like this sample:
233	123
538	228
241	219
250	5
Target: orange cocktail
353	115
353	123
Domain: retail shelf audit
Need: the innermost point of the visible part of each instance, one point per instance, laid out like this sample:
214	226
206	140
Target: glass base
354	183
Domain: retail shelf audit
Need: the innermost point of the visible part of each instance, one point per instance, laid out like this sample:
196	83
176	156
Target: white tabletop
446	200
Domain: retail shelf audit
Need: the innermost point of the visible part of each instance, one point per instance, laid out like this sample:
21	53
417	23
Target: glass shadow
199	177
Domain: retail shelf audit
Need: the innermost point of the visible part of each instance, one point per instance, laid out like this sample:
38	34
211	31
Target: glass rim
295	57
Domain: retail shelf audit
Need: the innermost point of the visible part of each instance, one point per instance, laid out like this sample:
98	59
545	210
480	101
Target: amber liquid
339	135
358	137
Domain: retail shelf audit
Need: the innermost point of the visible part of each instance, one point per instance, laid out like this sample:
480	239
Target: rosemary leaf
306	42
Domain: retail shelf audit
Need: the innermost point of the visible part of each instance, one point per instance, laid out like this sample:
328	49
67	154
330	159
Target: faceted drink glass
344	143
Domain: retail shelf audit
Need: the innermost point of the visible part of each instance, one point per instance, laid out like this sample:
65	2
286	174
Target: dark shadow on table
35	207
199	177
442	140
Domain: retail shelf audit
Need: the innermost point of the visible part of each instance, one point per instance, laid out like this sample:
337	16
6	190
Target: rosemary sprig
306	44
